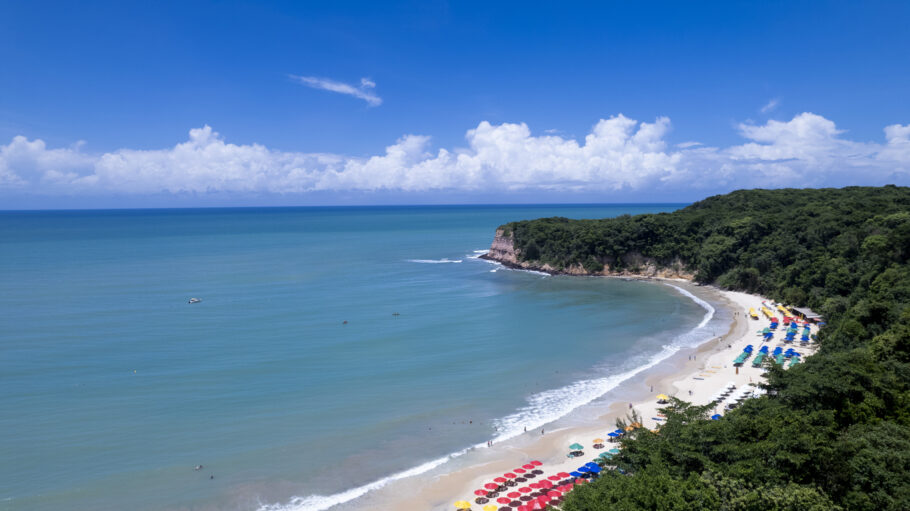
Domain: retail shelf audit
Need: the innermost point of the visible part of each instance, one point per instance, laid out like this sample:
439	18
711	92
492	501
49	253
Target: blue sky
97	101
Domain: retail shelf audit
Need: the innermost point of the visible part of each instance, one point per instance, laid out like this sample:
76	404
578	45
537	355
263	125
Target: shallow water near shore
115	387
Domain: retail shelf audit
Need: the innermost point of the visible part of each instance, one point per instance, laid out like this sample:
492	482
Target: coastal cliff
504	251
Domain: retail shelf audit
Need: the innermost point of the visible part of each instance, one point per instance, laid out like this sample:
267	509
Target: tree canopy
833	432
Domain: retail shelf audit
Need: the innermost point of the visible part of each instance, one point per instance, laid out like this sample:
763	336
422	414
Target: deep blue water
114	387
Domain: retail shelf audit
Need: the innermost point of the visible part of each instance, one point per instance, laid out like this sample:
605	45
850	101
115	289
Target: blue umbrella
591	464
595	469
715	417
575	474
584	470
618	431
614	435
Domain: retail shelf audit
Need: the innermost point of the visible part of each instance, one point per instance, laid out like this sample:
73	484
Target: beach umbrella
519	471
536	463
581	480
509	475
595	469
554	477
554	493
535	506
491	486
534	485
598	440
715	417
612	435
513	495
584	470
481	493
528	466
576	447
563	474
503	500
500	480
575	474
524	489
662	397
605	455
463	504
490	507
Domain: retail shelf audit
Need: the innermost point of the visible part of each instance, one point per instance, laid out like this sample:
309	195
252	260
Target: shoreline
673	376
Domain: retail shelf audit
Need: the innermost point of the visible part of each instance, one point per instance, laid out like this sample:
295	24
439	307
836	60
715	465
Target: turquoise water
115	388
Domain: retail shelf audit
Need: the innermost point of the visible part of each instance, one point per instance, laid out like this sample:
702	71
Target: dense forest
832	433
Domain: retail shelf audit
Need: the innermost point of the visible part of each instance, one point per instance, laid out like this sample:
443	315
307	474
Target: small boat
194	300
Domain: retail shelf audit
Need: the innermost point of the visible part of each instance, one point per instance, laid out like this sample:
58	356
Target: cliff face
503	251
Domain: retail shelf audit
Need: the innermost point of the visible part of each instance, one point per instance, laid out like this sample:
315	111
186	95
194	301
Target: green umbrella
766	330
613	451
605	455
576	447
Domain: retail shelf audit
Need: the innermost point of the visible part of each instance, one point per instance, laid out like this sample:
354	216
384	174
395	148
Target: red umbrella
536	505
525	490
543	499
519	471
564	475
503	500
513	495
491	486
554	494
528	466
500	480
480	493
555	478
534	485
511	475
580	481
545	484
536	463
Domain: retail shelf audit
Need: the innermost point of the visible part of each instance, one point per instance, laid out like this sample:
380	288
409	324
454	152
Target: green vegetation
833	432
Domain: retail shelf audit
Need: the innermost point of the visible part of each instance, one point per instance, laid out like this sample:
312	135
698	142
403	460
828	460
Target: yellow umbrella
635	424
463	504
629	428
489	507
663	397
598	440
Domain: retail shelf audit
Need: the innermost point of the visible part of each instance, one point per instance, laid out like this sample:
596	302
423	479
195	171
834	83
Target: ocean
332	349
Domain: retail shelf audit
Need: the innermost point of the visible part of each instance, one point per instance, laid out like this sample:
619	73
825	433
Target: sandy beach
693	375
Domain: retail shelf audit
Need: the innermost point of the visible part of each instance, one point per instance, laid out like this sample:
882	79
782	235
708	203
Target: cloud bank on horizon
619	154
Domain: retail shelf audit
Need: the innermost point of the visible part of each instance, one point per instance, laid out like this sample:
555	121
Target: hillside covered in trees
832	433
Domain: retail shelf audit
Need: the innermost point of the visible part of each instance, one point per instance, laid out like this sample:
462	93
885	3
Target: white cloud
770	105
618	155
363	92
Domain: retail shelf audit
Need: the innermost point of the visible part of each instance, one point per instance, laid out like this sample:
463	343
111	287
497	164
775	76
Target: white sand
706	372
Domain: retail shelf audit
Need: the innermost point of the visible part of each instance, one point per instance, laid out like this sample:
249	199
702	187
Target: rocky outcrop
503	250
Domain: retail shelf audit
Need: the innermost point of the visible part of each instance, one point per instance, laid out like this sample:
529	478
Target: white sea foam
434	261
705	305
321	502
542	408
477	254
